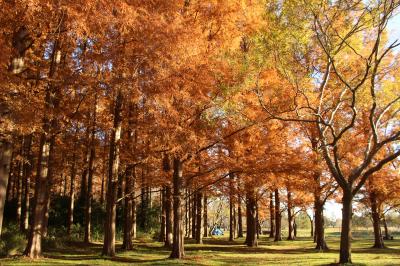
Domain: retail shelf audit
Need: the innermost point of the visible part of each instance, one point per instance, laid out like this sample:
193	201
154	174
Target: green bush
12	241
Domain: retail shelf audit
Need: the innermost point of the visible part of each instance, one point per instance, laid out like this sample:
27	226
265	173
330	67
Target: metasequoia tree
351	96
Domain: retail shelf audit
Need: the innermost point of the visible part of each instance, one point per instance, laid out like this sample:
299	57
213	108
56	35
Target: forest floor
219	251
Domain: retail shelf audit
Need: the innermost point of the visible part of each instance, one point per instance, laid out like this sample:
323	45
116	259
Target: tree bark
161	237
205	216
278	217
178	251
5	160
168	216
70	219
194	212
271	215
319	226
92	156
231	208
109	226
387	236
290	215
127	243
240	219
345	237
376	221
27	176
251	234
199	216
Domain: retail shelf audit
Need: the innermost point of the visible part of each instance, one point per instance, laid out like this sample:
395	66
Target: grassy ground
219	251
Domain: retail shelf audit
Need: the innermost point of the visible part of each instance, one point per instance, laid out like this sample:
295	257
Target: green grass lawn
219	251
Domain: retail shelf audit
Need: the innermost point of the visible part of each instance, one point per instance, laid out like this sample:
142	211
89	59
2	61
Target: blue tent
217	232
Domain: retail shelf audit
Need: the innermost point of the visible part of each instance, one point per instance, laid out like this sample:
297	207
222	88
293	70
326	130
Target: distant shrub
12	241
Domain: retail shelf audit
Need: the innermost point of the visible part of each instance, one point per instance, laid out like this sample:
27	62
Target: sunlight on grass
219	251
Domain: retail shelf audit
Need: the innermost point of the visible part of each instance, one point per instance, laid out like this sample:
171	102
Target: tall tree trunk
319	226
194	212
70	219
186	212
376	221
345	237
161	237
231	208
290	215
27	175
199	217
251	235
5	160
168	216
19	190
271	215
111	210
127	243
294	228
387	236
178	250
278	217
205	216
240	218
34	247
92	156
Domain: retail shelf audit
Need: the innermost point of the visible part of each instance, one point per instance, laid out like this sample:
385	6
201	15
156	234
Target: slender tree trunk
127	243
199	216
319	226
5	161
271	215
168	217
345	237
194	212
27	175
387	235
240	219
92	156
161	237
205	216
19	190
290	215
231	208
186	213
178	250
376	221
34	247
70	219
278	217
251	234
294	228
111	210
